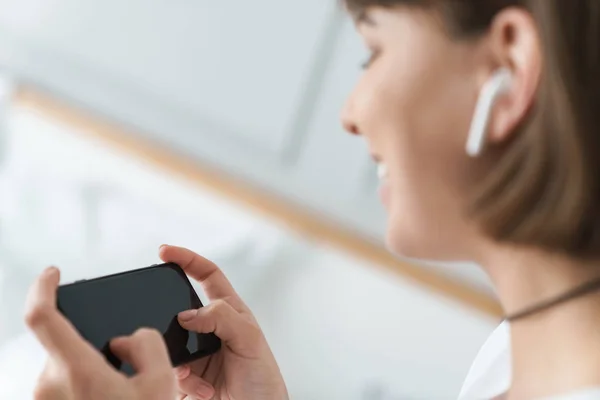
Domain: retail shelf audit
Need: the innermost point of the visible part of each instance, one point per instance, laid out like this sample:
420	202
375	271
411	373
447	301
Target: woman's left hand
75	370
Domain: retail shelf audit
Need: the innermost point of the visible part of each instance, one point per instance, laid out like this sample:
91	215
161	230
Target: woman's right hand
245	367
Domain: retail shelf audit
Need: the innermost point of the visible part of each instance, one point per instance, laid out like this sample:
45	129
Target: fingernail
187	315
161	246
182	372
204	391
116	341
51	271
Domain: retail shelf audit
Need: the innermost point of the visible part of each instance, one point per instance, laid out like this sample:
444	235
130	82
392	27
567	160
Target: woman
483	116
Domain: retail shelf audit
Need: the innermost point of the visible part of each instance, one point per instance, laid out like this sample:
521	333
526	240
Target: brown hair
544	189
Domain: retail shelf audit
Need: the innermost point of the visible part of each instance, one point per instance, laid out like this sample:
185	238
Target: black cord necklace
579	291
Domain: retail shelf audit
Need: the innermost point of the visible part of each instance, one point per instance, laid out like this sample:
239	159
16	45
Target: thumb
145	350
239	333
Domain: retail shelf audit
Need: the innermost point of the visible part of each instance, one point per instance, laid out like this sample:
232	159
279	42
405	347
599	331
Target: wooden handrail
293	216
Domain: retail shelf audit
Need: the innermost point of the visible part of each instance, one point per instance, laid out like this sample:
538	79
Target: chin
422	244
407	240
399	241
404	249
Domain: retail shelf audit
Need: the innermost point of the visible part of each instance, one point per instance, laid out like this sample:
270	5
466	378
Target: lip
384	189
385	193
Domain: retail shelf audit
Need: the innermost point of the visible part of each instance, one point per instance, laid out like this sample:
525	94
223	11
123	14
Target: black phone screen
117	305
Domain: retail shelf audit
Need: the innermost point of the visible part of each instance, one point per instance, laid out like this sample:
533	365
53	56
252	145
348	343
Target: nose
348	119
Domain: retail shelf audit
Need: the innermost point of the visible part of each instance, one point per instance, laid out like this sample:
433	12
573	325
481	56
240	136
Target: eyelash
366	64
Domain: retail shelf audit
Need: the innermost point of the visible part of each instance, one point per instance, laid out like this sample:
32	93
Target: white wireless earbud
498	84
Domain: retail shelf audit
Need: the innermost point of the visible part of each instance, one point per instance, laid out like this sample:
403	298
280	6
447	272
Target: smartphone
117	305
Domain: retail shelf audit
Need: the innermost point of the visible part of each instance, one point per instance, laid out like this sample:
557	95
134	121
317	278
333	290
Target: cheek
422	201
421	128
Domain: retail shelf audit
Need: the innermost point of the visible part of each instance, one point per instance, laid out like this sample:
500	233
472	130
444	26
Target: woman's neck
557	350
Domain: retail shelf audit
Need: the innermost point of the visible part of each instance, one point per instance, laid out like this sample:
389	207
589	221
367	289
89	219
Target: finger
145	350
196	388
182	372
239	334
52	329
214	283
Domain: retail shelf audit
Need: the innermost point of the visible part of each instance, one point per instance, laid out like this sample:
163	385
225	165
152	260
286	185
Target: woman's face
413	104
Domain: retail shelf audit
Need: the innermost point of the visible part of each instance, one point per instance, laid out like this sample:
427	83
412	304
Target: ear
515	44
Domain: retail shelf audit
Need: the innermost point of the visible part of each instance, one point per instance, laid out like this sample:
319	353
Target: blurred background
214	125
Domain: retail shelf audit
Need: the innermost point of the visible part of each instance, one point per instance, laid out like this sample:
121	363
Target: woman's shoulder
490	374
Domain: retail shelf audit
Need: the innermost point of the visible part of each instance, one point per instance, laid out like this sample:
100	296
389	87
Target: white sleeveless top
490	375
